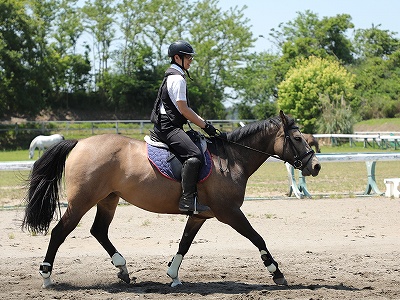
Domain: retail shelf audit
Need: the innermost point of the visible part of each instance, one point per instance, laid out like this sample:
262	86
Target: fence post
16	129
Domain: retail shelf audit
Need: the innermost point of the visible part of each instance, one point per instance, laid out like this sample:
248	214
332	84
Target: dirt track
327	249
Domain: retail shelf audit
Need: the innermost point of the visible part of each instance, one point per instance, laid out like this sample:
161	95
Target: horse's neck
253	152
33	145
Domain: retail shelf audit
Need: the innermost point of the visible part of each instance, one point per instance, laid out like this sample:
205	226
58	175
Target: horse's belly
151	192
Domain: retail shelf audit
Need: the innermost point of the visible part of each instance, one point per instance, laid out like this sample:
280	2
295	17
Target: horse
101	169
312	141
43	142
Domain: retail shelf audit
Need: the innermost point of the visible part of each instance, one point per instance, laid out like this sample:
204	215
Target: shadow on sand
224	287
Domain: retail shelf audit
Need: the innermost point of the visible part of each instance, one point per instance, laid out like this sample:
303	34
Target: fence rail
96	127
381	140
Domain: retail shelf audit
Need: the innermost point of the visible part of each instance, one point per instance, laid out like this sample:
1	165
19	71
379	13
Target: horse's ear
283	117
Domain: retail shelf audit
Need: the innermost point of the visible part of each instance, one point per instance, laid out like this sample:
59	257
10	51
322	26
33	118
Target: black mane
267	125
250	129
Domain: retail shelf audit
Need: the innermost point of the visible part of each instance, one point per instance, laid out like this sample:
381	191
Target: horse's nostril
317	167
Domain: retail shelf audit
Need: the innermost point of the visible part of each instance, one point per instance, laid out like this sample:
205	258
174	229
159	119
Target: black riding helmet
181	48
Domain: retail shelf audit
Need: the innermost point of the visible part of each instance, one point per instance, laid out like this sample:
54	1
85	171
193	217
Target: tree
70	70
222	41
377	70
256	86
378	87
307	35
304	37
337	117
99	19
23	76
310	80
375	42
131	54
140	61
163	25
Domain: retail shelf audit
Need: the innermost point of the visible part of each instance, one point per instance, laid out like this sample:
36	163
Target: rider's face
186	61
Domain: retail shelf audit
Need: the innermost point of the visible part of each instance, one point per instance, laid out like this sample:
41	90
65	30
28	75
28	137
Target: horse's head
291	146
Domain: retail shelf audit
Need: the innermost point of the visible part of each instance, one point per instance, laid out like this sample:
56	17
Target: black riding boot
190	174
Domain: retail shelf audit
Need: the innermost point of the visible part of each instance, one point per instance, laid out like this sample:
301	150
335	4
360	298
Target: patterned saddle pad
169	166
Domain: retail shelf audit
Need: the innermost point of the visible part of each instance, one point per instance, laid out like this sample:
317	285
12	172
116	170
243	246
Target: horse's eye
297	138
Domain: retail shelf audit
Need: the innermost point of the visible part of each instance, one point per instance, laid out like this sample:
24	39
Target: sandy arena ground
327	248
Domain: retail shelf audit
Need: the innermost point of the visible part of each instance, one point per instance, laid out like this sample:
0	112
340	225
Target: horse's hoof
47	283
124	277
280	280
175	282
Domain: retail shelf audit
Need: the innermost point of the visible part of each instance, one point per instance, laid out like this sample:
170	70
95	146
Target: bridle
298	158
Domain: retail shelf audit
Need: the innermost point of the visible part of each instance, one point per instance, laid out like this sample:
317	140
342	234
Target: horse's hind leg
104	215
64	227
193	226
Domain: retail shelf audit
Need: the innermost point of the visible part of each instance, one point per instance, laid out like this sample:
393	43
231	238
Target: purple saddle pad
160	159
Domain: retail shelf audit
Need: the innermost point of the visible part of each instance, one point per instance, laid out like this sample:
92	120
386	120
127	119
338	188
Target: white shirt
176	87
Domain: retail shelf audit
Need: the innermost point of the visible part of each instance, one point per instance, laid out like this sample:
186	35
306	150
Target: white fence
378	139
299	189
104	126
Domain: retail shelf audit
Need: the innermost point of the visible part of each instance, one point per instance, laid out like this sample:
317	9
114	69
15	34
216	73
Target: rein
250	148
298	164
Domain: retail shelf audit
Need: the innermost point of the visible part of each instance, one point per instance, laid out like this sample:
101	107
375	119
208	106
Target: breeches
177	139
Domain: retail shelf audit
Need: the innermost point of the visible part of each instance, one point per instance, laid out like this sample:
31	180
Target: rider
171	111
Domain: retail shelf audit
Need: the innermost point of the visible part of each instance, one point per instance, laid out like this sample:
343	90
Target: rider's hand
210	129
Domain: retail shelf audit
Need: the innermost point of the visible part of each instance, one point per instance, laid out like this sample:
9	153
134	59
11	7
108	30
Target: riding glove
210	129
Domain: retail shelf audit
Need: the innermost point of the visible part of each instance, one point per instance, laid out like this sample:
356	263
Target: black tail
42	197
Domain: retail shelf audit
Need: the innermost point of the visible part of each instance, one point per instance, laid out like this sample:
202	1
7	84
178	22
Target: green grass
12	187
379	125
17	155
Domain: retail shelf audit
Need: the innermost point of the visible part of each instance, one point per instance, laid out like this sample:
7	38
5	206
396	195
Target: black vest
172	112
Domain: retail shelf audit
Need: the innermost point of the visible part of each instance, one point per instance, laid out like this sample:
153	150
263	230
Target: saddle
169	164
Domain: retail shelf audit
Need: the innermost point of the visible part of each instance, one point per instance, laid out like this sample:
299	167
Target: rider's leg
187	151
190	174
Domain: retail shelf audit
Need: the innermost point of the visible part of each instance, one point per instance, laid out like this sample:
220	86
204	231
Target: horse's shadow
202	288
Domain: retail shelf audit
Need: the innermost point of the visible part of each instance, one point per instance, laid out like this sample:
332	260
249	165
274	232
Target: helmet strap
181	66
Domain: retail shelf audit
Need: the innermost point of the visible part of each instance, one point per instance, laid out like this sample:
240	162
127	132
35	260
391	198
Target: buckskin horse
101	169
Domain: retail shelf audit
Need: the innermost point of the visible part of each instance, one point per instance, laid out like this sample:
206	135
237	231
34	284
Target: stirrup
196	208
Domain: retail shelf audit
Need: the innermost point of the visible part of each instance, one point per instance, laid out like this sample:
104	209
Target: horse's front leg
40	150
238	221
193	225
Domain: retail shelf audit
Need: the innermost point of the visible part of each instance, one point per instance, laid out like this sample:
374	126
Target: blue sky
264	15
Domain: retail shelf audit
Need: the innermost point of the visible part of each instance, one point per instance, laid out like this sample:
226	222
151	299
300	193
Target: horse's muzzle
312	168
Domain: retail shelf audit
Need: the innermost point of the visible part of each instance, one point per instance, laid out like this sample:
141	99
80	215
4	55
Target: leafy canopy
307	82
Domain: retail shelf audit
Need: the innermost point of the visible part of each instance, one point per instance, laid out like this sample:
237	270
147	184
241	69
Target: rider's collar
178	68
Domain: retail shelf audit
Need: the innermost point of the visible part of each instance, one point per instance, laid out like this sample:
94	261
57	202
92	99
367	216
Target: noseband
298	159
